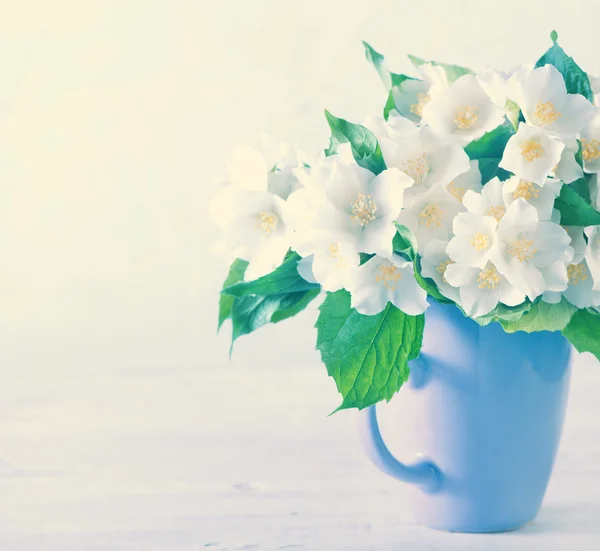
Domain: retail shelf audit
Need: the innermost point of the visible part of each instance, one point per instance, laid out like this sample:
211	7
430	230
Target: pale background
115	119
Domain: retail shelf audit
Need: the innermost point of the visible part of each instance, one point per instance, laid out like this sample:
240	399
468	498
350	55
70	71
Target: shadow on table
579	518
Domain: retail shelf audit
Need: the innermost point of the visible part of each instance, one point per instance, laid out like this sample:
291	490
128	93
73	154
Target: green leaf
364	144
576	80
294	303
488	150
251	312
574	209
388	78
389	106
581	185
453	72
404	242
285	279
503	313
428	284
583	331
367	356
543	317
512	113
235	275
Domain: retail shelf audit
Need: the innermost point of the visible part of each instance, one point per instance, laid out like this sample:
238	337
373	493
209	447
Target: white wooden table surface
186	459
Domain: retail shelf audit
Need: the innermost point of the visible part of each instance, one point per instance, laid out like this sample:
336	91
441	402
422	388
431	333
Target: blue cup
481	419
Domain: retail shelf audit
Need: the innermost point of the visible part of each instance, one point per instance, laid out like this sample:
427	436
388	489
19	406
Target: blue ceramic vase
482	416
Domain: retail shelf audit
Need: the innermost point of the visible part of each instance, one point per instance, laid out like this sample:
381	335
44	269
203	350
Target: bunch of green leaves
268	299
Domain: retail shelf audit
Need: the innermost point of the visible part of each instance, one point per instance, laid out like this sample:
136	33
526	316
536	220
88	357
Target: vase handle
422	473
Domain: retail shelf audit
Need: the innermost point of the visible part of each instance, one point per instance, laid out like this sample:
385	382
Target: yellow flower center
266	222
388	276
545	113
417	168
431	215
522	249
497	212
417	108
576	273
465	117
442	268
531	150
590	150
480	241
363	209
526	190
454	190
334	251
488	278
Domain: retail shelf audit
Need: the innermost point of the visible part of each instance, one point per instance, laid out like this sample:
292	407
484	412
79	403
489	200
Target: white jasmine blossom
474	236
395	125
542	96
481	289
531	254
332	267
430	216
540	197
532	154
592	253
349	205
489	202
254	228
493	83
434	262
412	96
426	159
463	112
582	290
380	281
590	144
467	181
568	169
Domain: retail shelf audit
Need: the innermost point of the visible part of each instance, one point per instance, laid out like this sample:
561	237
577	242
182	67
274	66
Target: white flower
254	227
496	83
434	262
395	125
261	169
493	83
590	145
426	159
470	180
581	290
349	205
463	112
481	289
595	84
489	202
531	154
381	280
542	96
430	216
249	206
592	253
530	253
541	197
332	267
474	236
413	95
568	169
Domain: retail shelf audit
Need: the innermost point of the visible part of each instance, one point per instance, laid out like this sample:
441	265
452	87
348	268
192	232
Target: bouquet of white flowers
473	189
